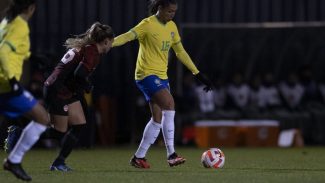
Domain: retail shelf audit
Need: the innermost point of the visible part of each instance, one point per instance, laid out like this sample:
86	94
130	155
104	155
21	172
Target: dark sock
52	133
69	141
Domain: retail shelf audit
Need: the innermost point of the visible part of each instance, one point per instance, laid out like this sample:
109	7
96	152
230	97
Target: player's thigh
76	114
24	104
164	99
60	122
155	111
38	114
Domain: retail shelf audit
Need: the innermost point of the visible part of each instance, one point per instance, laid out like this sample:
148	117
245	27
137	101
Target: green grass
242	165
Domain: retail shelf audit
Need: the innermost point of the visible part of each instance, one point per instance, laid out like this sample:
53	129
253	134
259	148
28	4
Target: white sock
149	137
28	138
168	130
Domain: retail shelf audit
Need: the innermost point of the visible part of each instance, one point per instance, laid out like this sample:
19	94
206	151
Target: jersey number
165	46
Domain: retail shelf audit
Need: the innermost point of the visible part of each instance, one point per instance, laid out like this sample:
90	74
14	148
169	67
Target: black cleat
16	169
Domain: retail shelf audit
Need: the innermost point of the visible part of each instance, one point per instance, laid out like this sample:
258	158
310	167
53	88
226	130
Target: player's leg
25	104
149	137
58	109
166	102
14	132
52	133
77	121
60	127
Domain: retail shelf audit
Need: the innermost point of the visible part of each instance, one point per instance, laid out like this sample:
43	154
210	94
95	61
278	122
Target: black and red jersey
62	80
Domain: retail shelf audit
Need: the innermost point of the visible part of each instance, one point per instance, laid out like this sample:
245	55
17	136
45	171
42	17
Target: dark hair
95	34
16	7
154	4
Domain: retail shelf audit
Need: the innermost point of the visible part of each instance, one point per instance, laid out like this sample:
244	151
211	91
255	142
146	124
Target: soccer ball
213	158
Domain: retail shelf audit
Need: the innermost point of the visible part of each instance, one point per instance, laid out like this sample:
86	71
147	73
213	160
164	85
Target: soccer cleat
139	162
14	133
174	160
16	169
62	168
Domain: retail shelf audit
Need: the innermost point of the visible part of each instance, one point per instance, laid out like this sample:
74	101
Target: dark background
250	50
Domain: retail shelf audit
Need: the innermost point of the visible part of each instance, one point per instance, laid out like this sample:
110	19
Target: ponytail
95	34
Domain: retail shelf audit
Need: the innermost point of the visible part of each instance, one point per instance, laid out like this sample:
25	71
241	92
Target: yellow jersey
14	49
155	39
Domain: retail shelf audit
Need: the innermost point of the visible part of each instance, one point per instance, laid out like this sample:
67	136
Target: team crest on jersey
172	34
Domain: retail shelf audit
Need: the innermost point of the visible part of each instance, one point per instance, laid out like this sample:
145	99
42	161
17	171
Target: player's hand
15	86
204	80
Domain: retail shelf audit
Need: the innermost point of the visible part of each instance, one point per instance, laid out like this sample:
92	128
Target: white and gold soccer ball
213	158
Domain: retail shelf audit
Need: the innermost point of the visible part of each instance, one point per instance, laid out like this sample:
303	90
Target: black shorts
58	106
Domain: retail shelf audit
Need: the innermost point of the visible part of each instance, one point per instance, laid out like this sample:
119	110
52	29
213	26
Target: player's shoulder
91	50
146	21
19	21
172	23
90	47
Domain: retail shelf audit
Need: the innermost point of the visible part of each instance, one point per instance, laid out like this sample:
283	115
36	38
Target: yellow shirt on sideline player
14	49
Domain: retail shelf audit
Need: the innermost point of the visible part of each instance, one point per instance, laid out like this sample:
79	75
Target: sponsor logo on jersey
172	34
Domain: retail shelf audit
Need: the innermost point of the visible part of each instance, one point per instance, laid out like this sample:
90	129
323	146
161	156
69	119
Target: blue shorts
15	106
151	84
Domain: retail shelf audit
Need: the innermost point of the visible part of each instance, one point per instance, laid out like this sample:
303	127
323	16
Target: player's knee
42	118
39	114
168	105
45	118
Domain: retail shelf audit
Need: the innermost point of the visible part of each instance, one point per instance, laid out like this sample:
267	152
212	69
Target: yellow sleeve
141	29
18	38
124	38
182	55
176	36
4	61
136	32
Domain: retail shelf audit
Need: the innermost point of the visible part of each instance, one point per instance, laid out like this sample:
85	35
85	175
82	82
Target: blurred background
266	58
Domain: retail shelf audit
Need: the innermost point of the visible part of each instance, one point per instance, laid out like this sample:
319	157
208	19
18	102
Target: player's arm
4	66
83	69
124	38
4	61
182	55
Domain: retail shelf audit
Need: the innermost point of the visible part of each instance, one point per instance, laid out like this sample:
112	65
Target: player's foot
14	133
139	162
61	167
174	160
16	169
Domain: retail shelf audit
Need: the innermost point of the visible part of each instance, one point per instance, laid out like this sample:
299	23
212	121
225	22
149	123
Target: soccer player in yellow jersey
14	99
156	35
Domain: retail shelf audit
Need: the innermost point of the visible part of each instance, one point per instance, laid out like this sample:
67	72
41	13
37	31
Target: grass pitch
242	165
